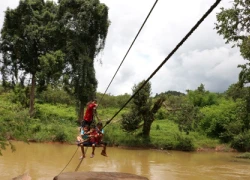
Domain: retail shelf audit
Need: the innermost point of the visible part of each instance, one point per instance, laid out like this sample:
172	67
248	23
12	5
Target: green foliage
182	111
233	25
232	22
185	143
111	101
241	142
161	114
188	117
55	96
58	123
60	112
141	104
224	120
171	93
84	26
201	98
54	43
244	156
29	40
235	91
2	90
20	95
52	63
55	132
130	122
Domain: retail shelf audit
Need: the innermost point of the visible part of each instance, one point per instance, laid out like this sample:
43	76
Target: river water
45	161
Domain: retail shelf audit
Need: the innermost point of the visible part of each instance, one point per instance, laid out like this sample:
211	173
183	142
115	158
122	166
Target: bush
244	156
161	114
185	143
54	96
241	142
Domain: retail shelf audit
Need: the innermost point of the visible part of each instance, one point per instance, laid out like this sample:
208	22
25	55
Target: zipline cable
167	58
79	164
157	69
69	161
129	49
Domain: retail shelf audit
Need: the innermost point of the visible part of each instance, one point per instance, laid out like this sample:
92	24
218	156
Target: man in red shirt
89	113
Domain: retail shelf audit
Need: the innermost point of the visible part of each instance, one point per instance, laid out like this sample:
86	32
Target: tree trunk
149	117
81	112
32	95
147	125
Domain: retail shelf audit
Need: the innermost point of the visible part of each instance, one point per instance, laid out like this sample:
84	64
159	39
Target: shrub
244	156
161	114
241	142
54	96
185	143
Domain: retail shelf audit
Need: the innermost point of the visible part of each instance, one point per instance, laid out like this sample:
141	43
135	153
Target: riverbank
57	123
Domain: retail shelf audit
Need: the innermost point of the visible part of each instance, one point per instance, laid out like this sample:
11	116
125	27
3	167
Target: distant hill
174	93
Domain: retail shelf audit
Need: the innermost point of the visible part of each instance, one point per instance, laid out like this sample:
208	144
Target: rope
69	161
79	164
156	70
167	58
129	49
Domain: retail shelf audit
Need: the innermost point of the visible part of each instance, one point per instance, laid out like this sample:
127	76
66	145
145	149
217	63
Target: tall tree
84	26
142	110
28	43
234	25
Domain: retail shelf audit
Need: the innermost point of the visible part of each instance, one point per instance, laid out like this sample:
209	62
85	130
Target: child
100	132
93	137
83	139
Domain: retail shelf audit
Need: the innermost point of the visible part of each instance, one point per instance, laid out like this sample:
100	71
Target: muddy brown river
44	161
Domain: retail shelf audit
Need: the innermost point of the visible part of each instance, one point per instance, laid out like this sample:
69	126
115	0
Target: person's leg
93	150
104	145
83	123
82	149
79	138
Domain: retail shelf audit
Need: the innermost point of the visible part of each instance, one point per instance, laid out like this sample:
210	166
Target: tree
200	97
84	26
235	91
142	110
182	110
28	44
233	24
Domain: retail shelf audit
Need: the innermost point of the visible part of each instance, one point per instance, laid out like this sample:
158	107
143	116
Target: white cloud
203	58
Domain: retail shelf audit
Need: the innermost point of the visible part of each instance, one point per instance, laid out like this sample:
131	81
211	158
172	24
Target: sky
203	58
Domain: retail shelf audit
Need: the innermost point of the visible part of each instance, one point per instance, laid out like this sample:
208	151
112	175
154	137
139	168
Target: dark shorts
103	143
84	123
87	143
93	143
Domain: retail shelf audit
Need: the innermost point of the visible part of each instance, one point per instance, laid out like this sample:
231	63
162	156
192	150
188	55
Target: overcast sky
203	58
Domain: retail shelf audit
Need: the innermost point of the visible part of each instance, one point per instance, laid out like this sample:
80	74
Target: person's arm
96	115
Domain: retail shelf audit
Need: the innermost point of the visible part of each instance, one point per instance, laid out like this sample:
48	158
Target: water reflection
44	161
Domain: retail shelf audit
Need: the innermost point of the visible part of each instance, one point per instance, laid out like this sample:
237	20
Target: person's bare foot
104	154
92	155
81	157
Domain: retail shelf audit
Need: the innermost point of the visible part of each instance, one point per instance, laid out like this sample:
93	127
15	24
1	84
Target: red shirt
89	112
93	138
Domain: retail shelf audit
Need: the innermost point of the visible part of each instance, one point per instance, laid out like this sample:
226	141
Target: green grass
58	112
244	155
59	123
107	113
164	134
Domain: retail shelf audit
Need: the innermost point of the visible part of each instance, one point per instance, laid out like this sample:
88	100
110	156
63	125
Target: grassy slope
58	123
